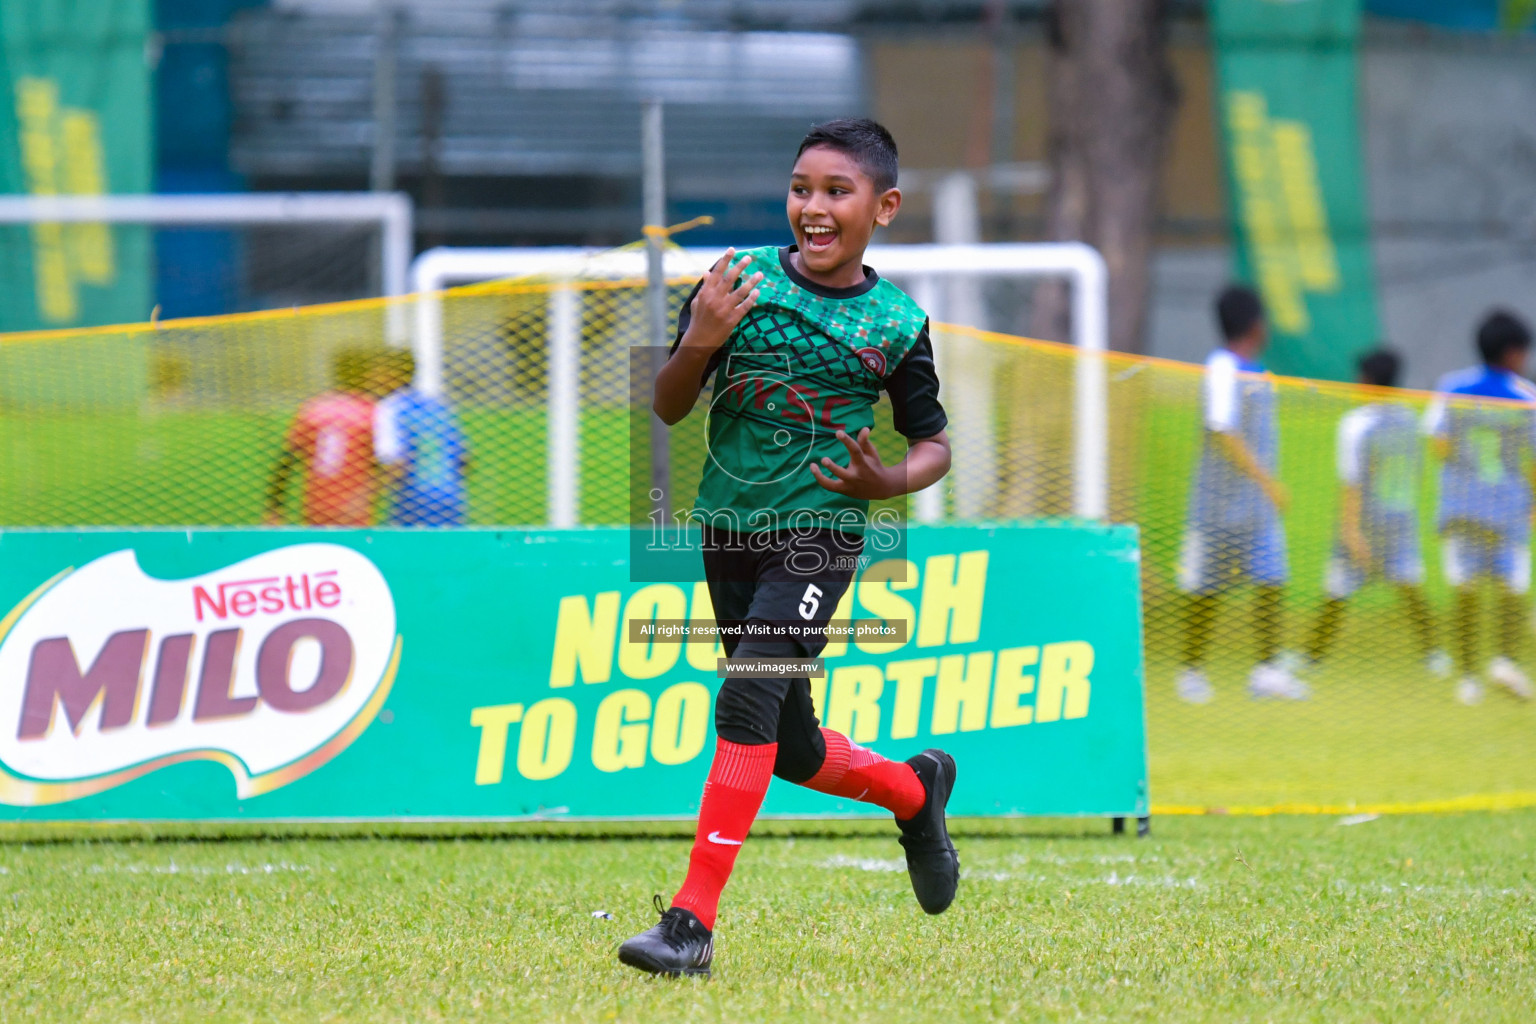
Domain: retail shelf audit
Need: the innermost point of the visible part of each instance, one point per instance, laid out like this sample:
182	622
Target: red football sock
855	773
738	780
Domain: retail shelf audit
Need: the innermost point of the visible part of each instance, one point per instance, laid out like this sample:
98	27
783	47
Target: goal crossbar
391	211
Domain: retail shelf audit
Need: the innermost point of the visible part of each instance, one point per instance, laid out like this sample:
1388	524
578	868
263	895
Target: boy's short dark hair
866	141
1501	332
1238	308
1381	367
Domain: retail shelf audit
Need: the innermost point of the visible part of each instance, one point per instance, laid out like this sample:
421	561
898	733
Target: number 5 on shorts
810	602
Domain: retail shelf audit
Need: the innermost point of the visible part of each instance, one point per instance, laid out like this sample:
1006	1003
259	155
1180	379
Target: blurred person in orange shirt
332	439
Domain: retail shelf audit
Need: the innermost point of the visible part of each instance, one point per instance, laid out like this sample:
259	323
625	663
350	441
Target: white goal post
390	211
923	270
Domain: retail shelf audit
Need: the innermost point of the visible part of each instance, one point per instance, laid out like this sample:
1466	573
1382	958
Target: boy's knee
800	757
744	713
796	767
747	709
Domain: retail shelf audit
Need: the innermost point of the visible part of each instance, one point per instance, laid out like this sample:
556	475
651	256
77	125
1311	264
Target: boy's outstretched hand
721	303
718	306
865	476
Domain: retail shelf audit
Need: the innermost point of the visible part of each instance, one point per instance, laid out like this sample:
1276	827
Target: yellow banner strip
1512	801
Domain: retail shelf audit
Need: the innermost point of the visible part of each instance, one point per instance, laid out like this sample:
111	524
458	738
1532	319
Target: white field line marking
1155	881
1114	878
1103	859
973	875
1386	888
1358	819
172	868
863	863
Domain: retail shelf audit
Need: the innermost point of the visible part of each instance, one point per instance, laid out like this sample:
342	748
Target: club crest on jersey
270	666
873	358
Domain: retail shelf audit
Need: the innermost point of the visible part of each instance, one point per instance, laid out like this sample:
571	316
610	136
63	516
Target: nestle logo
269	595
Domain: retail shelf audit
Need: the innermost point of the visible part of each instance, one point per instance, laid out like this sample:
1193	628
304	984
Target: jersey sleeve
684	318
1353	431
1222	396
913	388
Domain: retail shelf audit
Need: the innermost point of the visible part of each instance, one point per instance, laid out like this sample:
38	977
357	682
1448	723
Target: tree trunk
1111	99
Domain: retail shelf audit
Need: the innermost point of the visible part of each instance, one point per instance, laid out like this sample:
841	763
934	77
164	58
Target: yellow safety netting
182	424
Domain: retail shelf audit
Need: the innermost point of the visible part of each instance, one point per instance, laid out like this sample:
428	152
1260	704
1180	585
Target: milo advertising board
291	674
269	667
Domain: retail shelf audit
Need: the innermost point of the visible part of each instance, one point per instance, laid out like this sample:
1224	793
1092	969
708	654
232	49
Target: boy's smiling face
834	208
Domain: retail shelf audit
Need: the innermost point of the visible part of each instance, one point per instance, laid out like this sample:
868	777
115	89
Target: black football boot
677	944
932	862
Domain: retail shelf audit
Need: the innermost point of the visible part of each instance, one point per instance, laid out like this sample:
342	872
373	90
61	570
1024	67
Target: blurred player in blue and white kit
1488	450
1380	465
420	447
1234	534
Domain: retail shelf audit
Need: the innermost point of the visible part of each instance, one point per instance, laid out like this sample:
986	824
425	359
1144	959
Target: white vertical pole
967	371
564	453
429	342
381	171
395	247
1090	333
397	243
957	221
654	189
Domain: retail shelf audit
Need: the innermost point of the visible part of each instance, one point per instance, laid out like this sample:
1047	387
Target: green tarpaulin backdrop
1287	79
74	119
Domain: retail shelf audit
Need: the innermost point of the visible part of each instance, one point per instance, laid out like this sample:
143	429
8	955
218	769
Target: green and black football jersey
806	362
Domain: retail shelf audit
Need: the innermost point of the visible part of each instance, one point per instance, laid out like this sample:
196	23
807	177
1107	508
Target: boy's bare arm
867	476
1532	471
1238	453
1349	526
928	460
716	310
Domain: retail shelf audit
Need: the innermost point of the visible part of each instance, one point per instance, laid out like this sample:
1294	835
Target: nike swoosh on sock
714	837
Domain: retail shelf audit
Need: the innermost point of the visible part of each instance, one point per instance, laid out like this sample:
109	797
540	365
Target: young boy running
1485	496
1380	460
801	341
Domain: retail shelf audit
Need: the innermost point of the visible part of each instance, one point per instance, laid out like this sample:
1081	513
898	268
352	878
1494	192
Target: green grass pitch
1210	919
